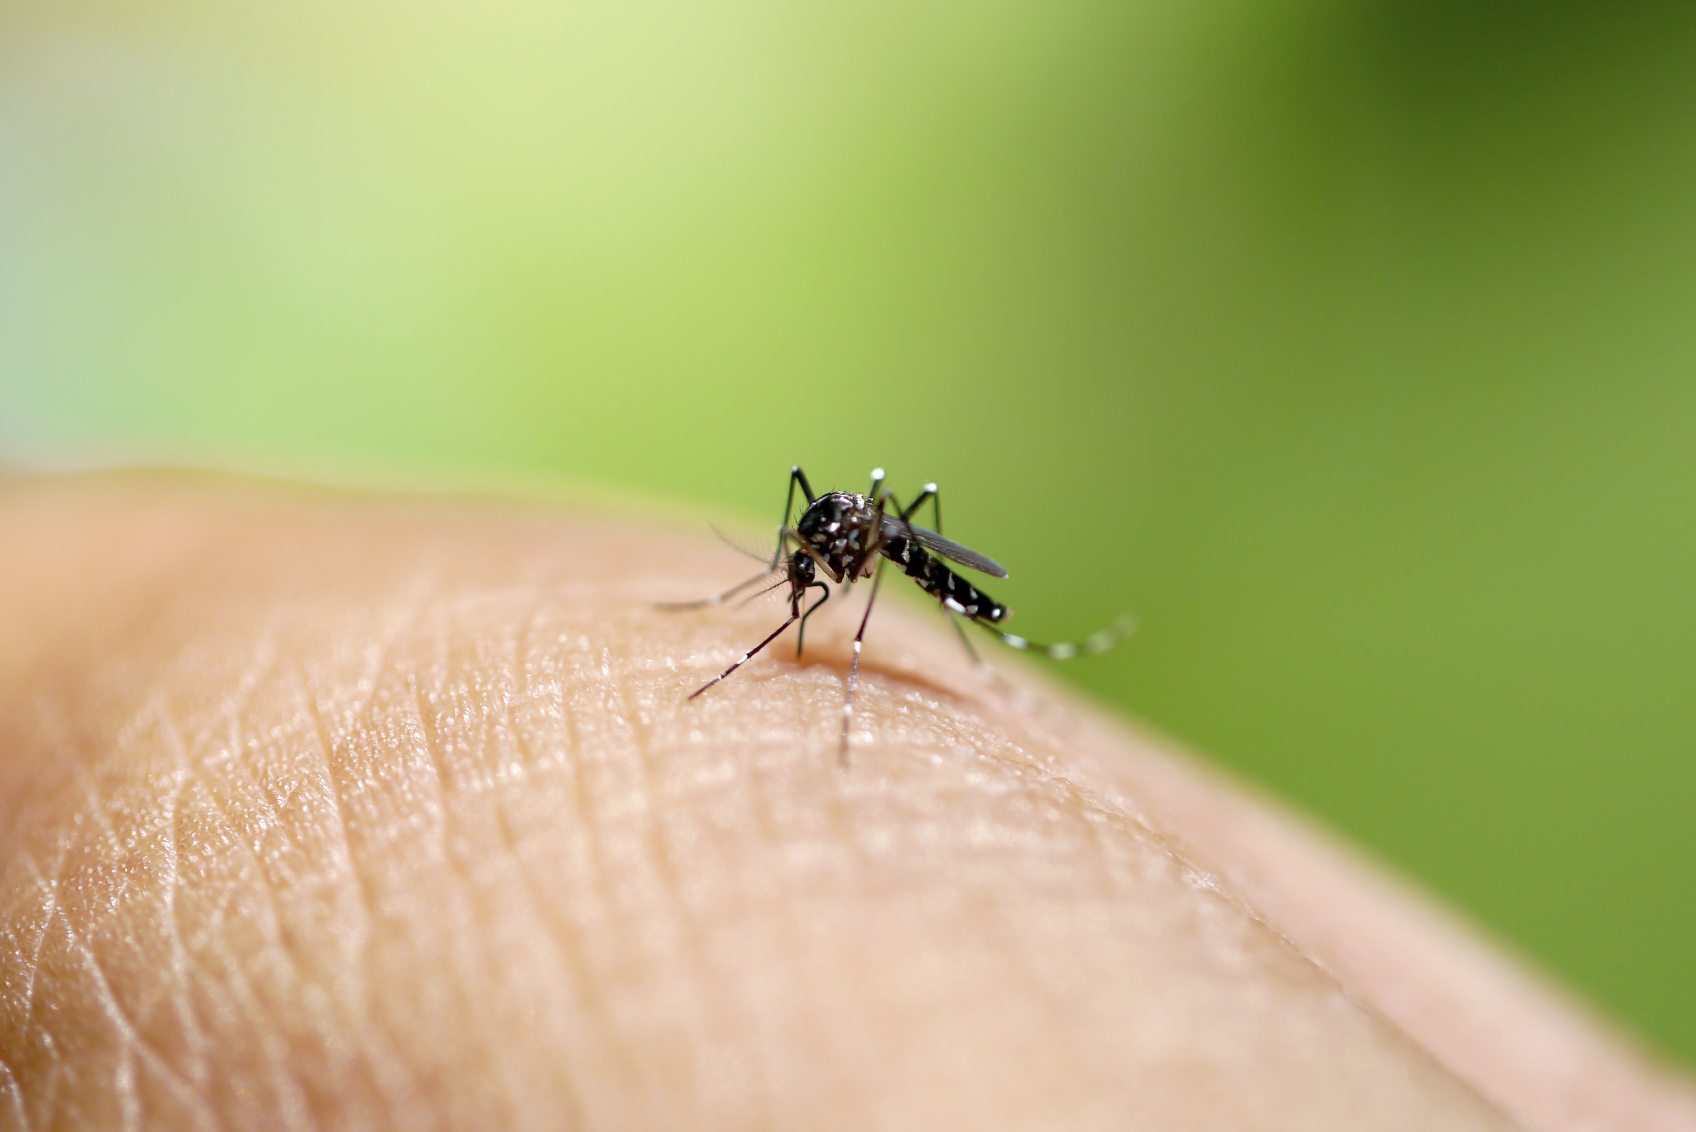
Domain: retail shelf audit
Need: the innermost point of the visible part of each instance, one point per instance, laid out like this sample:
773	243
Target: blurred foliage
1349	344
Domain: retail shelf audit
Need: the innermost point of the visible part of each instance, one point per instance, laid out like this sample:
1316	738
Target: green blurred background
1350	344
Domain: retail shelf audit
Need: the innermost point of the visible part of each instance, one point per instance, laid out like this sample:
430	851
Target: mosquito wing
947	548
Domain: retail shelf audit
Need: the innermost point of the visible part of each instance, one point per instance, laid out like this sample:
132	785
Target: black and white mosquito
848	537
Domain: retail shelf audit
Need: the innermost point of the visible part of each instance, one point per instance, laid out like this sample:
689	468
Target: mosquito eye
801	567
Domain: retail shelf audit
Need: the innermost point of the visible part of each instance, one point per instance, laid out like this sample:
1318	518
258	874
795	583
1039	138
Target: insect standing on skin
849	536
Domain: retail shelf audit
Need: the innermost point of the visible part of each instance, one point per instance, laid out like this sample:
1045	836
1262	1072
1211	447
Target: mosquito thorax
840	528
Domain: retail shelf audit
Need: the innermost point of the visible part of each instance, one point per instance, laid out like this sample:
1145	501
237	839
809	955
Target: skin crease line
320	809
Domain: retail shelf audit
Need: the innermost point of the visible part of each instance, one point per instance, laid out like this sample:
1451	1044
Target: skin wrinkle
565	931
761	1112
448	789
273	927
49	882
602	803
383	788
840	927
50	1098
15	1095
132	1044
486	774
834	803
706	993
428	752
754	1097
238	986
680	919
197	1071
225	760
96	810
1090	802
636	869
131	1040
748	1075
389	1081
125	1087
132	1025
343	849
788	933
280	937
1299	871
48	772
562	933
603	1018
1085	801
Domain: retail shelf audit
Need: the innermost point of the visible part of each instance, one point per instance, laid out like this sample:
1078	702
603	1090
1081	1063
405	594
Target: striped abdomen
955	593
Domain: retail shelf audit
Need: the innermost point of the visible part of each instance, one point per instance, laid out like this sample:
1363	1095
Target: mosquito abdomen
956	594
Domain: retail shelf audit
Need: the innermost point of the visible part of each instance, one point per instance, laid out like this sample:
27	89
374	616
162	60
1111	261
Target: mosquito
849	537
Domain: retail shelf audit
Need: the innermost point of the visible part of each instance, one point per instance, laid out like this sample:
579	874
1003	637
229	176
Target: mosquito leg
796	476
894	505
877	485
971	650
795	615
928	495
854	665
801	633
1094	643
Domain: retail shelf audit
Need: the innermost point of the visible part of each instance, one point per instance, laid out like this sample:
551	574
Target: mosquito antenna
762	593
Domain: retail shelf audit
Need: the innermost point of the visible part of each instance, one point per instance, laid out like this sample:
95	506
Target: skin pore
329	811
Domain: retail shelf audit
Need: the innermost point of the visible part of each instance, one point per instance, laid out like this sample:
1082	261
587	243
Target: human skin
330	811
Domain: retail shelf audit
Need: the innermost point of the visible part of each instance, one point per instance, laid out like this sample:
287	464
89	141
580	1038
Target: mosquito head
801	573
